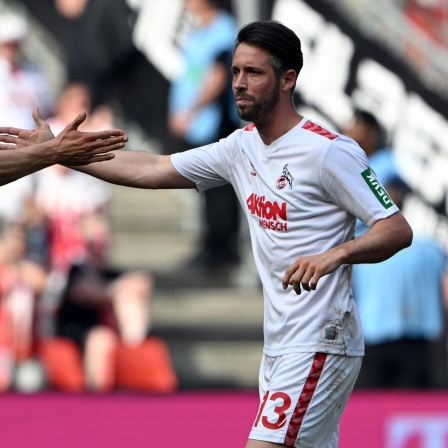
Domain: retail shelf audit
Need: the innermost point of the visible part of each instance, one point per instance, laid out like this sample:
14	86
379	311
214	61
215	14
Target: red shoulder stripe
313	127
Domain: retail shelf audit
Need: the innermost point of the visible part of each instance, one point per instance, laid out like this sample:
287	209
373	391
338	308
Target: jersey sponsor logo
313	127
378	190
285	179
274	225
272	215
249	127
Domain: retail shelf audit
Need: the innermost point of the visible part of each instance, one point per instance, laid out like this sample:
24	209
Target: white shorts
302	398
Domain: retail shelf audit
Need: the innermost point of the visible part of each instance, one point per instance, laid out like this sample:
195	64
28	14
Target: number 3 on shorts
280	410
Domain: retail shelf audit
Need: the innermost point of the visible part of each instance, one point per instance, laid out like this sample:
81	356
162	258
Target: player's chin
244	113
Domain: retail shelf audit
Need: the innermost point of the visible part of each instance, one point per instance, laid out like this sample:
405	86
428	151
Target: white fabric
13	197
302	397
61	190
20	91
323	193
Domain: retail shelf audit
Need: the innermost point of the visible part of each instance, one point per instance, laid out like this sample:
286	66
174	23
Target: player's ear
289	79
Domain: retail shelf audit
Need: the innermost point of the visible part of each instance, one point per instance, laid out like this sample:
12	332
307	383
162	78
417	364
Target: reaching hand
75	148
71	147
21	138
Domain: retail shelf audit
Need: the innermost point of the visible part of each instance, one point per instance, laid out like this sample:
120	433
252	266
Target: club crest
285	180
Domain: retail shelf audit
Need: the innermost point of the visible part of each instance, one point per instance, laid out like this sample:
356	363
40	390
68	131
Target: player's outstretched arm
138	169
27	151
131	168
384	239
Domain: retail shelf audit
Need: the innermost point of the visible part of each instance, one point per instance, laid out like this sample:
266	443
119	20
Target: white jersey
20	92
301	196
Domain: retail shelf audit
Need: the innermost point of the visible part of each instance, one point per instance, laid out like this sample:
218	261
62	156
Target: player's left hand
306	271
21	138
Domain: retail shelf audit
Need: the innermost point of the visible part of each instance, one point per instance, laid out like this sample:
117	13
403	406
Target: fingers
107	144
40	122
96	158
99	154
104	135
9	131
37	118
300	275
99	149
8	139
100	138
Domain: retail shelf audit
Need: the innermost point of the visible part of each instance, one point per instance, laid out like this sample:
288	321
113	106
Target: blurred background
107	307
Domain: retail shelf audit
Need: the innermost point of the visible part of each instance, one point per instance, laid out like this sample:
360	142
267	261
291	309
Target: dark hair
370	120
274	37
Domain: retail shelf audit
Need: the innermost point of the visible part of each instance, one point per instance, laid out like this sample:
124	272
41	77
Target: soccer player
24	152
301	187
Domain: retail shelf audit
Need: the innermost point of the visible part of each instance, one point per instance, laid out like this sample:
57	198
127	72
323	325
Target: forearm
17	163
383	240
138	169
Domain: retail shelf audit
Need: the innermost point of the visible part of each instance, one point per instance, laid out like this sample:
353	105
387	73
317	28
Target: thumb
77	121
40	122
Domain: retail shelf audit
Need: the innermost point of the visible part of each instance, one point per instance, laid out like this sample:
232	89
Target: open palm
42	134
71	147
22	138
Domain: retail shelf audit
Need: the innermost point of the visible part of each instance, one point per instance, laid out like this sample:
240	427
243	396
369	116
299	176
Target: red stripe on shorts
305	398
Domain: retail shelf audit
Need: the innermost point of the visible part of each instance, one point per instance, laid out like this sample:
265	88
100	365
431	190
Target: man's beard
260	110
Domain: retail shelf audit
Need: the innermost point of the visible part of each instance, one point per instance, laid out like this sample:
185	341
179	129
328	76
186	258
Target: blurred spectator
401	304
21	284
65	195
76	96
61	198
22	87
102	326
201	111
370	135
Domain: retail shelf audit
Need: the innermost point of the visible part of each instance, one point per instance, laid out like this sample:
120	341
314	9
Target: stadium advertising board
374	419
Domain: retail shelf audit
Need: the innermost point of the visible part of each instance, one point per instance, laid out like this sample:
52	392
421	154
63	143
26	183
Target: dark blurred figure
202	111
97	40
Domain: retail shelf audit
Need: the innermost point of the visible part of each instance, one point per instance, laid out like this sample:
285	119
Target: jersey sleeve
349	182
207	166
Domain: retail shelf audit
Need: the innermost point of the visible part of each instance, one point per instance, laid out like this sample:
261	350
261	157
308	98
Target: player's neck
280	125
